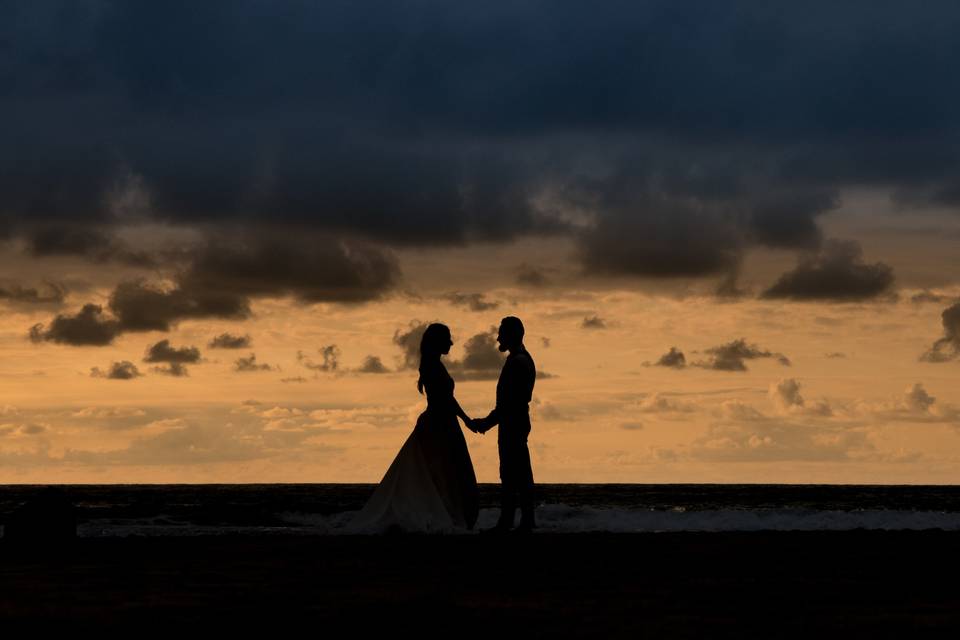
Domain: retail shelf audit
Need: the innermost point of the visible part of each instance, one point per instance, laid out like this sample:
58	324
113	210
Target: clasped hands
478	425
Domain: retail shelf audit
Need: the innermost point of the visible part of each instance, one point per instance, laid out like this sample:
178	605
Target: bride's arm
459	411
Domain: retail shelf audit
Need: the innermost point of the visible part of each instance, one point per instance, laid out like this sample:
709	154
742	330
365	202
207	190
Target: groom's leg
508	503
525	486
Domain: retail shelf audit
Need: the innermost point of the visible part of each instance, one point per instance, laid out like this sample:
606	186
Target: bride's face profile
445	343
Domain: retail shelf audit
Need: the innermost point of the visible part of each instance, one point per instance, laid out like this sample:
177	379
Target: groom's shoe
525	528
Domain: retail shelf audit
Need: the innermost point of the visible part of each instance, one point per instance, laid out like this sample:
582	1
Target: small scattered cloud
88	327
946	348
731	356
409	342
835	355
330	355
927	296
163	351
51	294
250	364
175	358
838	272
530	276
230	341
122	370
295	379
482	359
25	429
472	301
740	411
916	398
660	403
593	322
372	364
175	369
673	359
914	405
786	397
632	426
108	413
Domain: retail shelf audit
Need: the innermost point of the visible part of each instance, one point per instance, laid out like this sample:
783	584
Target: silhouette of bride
431	485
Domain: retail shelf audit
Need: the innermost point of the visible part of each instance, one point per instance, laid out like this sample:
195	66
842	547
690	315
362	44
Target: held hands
478	425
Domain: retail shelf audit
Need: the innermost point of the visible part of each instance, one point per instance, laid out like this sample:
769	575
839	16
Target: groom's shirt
515	386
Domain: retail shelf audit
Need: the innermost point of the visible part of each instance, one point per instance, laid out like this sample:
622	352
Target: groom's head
510	334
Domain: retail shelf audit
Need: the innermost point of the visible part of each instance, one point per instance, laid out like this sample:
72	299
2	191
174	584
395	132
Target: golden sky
731	233
854	404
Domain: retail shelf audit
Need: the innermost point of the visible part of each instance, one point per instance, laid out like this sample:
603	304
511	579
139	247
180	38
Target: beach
691	584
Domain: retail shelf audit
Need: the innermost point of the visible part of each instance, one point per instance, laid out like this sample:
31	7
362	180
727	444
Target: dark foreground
860	583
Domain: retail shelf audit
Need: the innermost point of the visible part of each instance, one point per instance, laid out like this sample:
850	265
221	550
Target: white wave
561	518
566	519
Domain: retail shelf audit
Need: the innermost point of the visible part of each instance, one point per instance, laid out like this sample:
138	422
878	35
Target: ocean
325	509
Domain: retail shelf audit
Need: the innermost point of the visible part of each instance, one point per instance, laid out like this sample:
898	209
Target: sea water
326	509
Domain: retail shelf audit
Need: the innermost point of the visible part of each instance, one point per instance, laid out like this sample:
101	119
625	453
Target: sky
730	229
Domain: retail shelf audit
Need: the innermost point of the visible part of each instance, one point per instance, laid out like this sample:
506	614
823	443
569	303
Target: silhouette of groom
512	414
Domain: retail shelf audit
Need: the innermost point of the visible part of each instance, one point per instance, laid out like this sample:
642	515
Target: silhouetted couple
431	485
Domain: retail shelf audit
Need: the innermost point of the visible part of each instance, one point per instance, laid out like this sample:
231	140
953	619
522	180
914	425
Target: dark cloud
916	398
836	355
123	370
372	364
57	241
673	359
88	327
593	322
330	355
927	296
530	276
250	364
482	359
731	356
729	287
230	341
661	239
399	124
54	294
175	369
545	342
948	347
297	379
164	352
220	278
409	342
98	245
786	394
836	273
309	267
473	301
139	306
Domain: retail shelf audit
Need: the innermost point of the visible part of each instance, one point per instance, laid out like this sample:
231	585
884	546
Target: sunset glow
287	221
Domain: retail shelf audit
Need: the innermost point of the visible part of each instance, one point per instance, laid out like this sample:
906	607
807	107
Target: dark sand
703	585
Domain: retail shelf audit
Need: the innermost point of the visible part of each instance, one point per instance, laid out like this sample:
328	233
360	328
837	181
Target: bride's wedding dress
431	485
